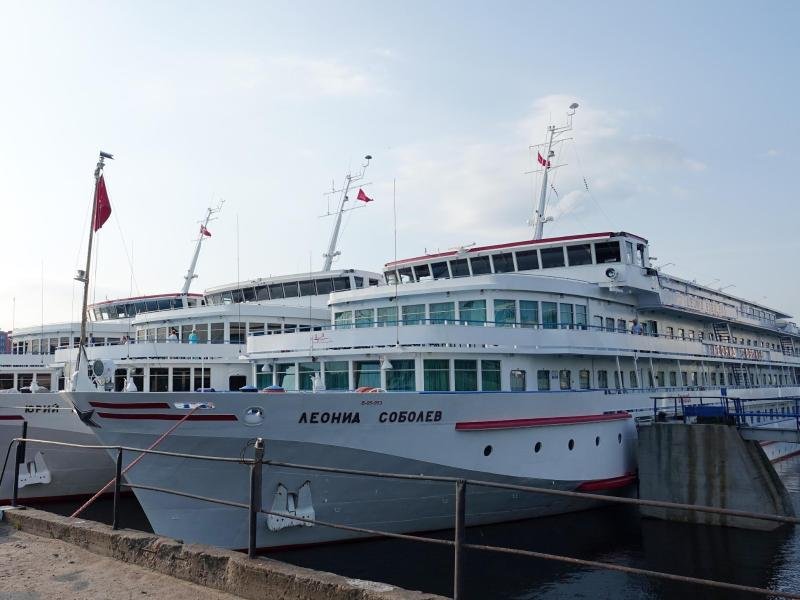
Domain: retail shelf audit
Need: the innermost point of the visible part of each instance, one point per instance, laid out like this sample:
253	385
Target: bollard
20	458
255	495
458	538
117	486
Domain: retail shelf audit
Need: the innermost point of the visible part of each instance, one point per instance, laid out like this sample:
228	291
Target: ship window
413	314
621	326
285	376
442	312
490	375
159	379
518	380
503	263
684	378
422	272
529	313
584	380
602	379
505	313
543	380
480	265
358	281
255	328
161	335
607	252
466	375
391	277
343	320
629	252
566	317
307	288
579	255
439	270
581	320
634	379
406	275
6	381
181	379
324	286
262	292
550	315
552	257
640	254
437	375
527	260
374	282
565	379
673	379
291	290
387	315
306	372
336	375
276	291
237	330
459	267
401	377
249	294
218	333
364	317
609	323
681	333
341	283
472	312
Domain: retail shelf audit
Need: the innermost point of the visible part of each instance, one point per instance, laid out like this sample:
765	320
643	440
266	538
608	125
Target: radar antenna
349	180
554	132
202	235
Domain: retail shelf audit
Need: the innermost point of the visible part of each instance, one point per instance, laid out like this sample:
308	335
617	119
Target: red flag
362	196
102	206
204	231
542	161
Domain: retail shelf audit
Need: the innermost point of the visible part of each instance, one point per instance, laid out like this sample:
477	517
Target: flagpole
98	172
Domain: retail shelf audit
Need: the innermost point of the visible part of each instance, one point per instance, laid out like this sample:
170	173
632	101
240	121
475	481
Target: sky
686	134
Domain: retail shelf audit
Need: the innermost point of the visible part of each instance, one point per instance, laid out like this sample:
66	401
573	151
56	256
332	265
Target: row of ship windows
217	333
507	313
289	289
444	375
537	447
521	260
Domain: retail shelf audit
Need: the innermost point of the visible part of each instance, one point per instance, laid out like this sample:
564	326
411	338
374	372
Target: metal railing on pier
254	507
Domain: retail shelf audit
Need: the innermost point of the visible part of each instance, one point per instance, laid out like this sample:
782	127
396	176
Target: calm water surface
616	535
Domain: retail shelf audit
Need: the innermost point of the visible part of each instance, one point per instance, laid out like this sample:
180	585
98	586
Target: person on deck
173	335
636	327
193	336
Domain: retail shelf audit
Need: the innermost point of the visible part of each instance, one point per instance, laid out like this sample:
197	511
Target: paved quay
43	555
34	568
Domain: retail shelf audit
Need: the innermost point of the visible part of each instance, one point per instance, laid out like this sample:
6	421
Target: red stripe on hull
129	404
166	417
540	422
599	485
11	418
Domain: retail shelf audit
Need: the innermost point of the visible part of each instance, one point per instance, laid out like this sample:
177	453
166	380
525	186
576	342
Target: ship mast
554	133
349	180
84	276
190	274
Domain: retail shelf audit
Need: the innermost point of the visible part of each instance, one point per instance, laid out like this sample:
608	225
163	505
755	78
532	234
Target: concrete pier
39	547
709	465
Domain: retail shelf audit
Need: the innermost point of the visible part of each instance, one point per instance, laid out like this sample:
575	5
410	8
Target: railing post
19	459
458	538
117	486
255	495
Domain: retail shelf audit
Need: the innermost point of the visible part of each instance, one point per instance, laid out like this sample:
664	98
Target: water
616	535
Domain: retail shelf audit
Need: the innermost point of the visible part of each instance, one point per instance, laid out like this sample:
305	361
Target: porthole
537	447
571	444
487	451
254	416
597	441
619	438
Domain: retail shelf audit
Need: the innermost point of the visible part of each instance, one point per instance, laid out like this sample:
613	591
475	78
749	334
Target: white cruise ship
525	362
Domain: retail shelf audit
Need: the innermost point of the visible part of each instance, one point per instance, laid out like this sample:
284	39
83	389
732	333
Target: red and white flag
204	231
362	196
102	206
542	161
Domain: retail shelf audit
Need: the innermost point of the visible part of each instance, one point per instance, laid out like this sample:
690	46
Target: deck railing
254	507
